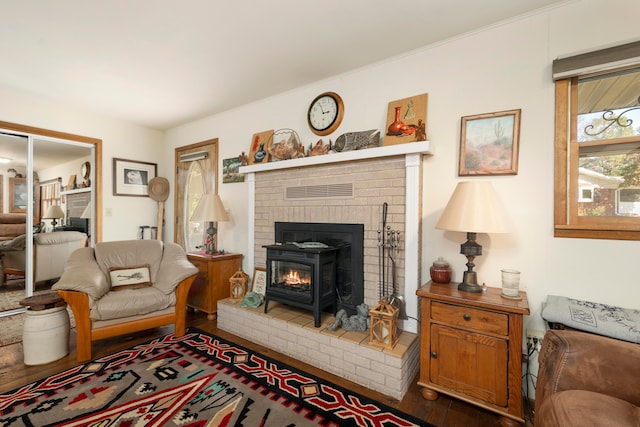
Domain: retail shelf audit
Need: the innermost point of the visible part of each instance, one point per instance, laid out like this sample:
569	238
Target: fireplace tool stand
388	251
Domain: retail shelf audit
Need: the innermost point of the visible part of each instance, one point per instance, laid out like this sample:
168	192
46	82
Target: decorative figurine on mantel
318	149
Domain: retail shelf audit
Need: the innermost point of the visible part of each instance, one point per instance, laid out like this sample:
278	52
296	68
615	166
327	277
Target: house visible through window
597	185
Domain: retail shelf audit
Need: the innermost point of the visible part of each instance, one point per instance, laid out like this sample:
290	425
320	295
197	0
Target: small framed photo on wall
489	144
131	177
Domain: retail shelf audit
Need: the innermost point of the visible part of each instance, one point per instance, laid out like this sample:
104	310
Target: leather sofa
587	380
51	251
102	309
12	225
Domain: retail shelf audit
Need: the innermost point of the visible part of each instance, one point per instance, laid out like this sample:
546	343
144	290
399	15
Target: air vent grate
319	191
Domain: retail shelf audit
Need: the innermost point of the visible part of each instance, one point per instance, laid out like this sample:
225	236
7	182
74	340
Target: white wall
504	67
119	139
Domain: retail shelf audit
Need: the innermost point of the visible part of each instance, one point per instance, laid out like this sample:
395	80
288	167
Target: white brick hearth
347	354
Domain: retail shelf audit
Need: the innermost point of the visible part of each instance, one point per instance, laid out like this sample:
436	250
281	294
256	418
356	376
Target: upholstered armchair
127	286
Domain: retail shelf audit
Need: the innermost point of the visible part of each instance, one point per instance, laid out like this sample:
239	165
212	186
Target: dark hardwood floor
444	411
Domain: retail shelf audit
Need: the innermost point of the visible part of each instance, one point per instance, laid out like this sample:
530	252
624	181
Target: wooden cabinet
471	348
212	283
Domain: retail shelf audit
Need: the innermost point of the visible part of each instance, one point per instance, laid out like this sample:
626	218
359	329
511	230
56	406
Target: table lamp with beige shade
210	209
474	207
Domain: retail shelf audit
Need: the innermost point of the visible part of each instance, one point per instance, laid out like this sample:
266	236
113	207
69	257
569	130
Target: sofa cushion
134	277
12	225
585	409
130	302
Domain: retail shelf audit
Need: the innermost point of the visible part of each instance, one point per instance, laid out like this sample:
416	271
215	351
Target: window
597	151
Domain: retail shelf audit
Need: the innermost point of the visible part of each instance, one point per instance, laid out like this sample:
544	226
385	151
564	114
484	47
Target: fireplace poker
395	299
383	285
380	261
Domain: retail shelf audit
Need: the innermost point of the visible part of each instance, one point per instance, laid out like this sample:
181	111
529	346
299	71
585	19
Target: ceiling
161	63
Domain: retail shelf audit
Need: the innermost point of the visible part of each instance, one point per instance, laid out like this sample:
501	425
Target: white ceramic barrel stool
45	336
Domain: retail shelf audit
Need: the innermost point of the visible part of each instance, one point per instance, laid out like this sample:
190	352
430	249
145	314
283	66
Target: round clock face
325	113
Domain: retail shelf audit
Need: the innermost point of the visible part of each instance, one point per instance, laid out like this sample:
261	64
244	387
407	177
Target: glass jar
440	271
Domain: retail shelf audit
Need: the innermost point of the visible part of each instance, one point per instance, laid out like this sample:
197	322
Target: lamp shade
54	212
210	208
474	207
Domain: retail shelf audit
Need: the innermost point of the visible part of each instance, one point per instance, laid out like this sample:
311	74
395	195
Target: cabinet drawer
470	318
202	266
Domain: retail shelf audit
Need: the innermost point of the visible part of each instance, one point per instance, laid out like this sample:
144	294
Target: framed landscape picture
18	195
230	170
489	144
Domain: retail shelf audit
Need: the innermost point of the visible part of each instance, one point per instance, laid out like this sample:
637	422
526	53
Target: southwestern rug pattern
195	380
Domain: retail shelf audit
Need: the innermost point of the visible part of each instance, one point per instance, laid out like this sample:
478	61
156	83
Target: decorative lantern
384	325
238	285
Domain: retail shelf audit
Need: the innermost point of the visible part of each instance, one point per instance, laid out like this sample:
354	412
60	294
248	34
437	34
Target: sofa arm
574	360
83	274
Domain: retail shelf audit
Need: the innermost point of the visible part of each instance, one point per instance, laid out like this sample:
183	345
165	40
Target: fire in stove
294	281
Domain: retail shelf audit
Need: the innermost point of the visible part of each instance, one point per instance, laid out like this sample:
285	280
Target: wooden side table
471	348
212	283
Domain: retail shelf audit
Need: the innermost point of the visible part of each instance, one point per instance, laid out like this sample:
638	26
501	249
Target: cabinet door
199	294
469	363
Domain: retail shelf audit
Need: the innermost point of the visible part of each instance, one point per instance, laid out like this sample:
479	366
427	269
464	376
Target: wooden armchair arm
79	303
182	292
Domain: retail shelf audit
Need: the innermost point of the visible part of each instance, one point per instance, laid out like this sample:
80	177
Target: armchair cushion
131	302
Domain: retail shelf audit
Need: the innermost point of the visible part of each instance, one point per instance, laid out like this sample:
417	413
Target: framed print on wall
489	144
18	195
131	177
230	170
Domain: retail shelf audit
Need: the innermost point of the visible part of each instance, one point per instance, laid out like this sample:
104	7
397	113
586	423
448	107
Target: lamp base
470	283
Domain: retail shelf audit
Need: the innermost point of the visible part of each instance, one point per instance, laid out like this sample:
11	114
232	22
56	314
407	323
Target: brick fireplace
348	187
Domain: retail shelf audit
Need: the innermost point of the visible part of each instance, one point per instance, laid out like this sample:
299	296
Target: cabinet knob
434	355
466	317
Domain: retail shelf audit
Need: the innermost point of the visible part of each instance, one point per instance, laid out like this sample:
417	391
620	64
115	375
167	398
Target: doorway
196	174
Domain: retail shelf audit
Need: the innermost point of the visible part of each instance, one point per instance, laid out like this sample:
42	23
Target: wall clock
325	113
85	170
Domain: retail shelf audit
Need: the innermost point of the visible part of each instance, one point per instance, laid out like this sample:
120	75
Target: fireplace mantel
412	154
346	156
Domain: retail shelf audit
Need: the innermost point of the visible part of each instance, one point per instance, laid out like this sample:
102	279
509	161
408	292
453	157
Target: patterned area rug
194	380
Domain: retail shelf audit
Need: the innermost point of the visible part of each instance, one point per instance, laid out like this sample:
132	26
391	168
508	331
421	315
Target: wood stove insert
303	277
